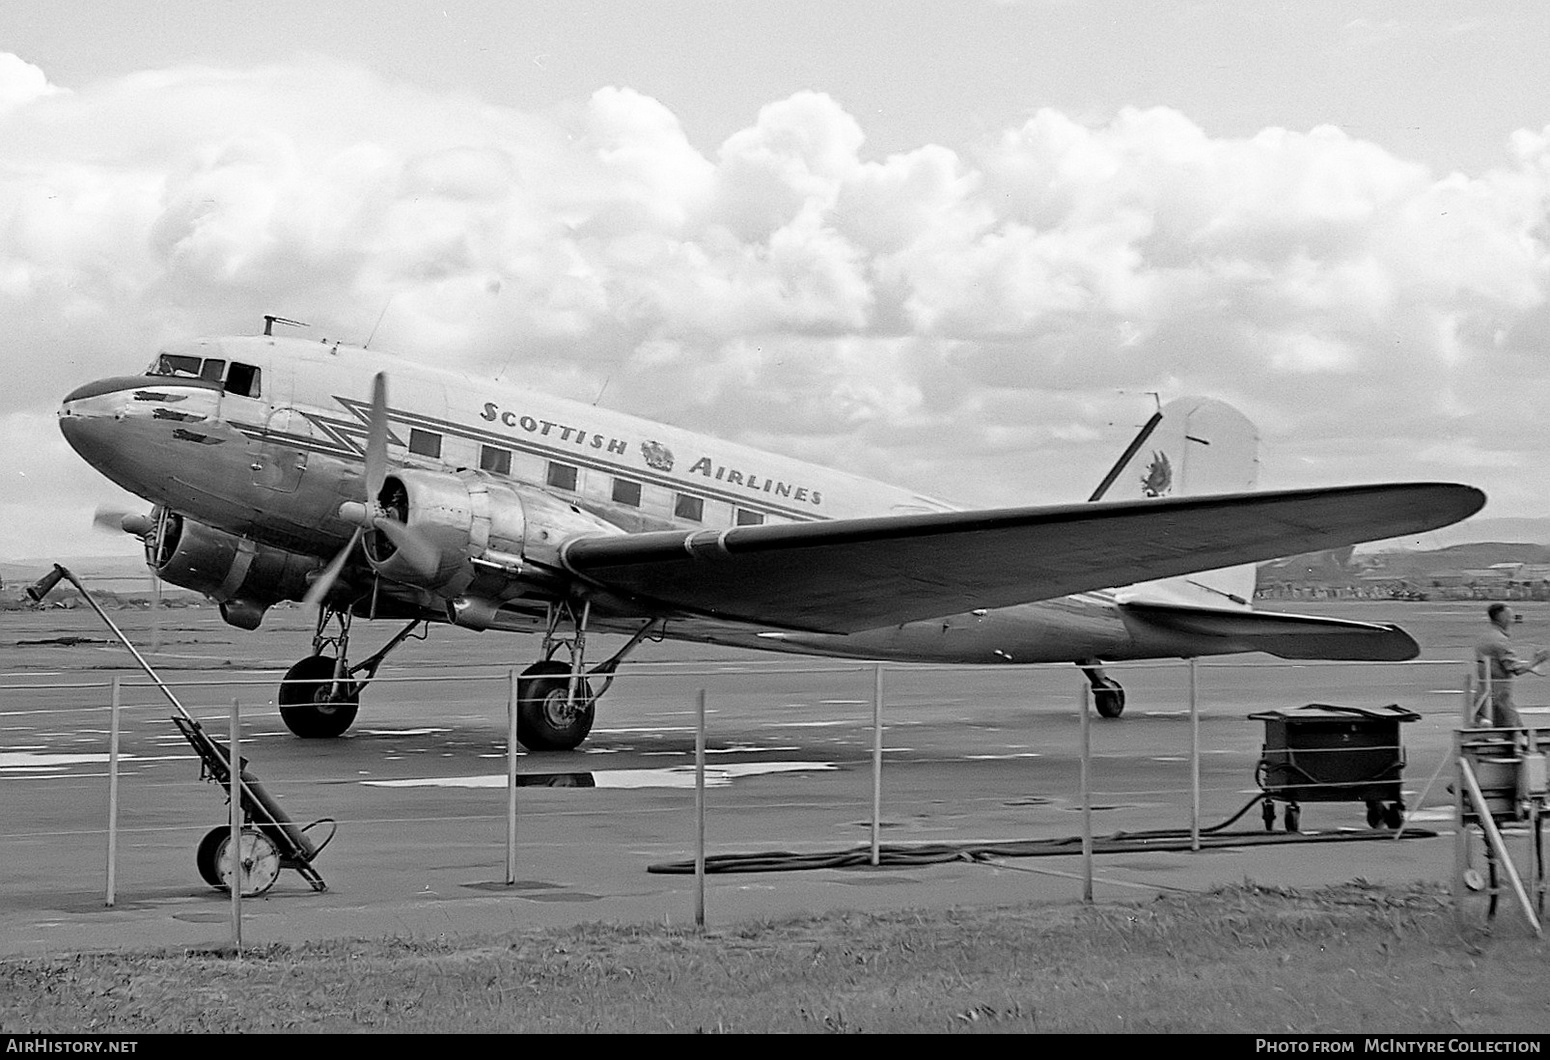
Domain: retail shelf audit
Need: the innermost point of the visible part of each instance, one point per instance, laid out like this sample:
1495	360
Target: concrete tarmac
418	785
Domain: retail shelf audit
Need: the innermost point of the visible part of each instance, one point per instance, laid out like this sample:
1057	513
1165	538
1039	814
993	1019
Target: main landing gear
556	704
319	696
1108	696
556	700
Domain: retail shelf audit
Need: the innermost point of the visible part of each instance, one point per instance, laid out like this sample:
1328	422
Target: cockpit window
242	379
175	364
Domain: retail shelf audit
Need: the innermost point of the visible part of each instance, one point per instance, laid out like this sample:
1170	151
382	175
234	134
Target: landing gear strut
318	698
1108	696
556	704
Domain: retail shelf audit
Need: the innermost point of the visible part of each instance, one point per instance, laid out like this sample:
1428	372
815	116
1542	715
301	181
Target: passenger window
690	508
748	518
242	379
493	458
424	443
627	492
213	370
561	476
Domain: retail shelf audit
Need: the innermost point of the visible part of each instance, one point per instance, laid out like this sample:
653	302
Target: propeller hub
355	512
138	525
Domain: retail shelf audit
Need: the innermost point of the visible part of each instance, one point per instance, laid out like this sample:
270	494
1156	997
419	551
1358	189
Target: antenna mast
270	321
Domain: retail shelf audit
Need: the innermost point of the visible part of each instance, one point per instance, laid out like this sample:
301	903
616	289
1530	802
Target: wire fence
978	759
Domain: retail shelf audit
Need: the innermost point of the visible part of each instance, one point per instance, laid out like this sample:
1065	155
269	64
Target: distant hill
1470	531
123	577
1477	555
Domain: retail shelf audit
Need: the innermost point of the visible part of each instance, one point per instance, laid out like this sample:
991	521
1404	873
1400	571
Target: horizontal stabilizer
844	575
1285	636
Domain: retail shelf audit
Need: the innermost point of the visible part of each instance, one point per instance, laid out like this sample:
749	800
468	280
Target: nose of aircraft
89	414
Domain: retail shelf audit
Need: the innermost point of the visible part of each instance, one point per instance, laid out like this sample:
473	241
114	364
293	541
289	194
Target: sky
953	244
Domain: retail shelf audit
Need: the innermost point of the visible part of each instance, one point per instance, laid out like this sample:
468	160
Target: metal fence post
112	895
1194	754
234	762
1087	800
699	814
512	703
877	763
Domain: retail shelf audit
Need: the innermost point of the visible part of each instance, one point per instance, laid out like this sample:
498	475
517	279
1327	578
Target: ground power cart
1324	753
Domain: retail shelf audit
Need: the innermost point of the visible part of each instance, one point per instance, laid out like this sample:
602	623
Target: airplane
279	470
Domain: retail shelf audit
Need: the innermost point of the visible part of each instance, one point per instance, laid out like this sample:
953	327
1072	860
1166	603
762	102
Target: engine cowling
492	537
245	577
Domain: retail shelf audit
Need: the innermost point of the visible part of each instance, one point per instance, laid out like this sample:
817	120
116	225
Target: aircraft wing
845	575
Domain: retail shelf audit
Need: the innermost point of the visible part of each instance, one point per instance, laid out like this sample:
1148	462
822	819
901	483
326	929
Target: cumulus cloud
981	324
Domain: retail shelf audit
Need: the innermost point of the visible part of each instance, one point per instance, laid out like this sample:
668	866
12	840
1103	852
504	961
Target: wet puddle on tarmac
718	776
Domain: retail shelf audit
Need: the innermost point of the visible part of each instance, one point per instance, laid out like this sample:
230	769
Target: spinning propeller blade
417	551
376	438
325	581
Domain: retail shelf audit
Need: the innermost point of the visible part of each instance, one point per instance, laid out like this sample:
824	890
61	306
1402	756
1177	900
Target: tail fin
1200	446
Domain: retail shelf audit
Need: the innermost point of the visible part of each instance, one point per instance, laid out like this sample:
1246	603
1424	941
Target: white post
113	795
1194	754
699	815
877	763
1460	799
234	762
1087	800
511	778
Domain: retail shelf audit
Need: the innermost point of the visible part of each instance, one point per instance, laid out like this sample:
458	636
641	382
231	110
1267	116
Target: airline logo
1158	479
657	456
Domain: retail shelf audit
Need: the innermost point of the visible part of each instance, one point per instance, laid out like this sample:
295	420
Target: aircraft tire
303	707
545	720
1109	700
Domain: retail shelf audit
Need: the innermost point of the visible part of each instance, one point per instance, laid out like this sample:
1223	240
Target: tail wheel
547	718
306	705
1110	701
1108	696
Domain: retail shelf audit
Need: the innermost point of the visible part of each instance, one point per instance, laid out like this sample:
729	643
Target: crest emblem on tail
1158	479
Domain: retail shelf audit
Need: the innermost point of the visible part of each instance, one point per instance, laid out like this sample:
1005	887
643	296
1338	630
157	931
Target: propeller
142	526
416	551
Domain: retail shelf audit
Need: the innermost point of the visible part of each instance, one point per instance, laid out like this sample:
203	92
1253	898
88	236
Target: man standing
1496	664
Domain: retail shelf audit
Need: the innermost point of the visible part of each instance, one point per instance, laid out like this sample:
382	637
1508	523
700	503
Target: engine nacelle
244	576
488	533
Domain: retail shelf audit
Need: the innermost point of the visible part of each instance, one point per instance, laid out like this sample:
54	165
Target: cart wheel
257	867
1374	813
204	855
1293	818
1394	816
1268	810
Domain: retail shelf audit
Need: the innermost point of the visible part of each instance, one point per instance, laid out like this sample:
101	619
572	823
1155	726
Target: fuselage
263	438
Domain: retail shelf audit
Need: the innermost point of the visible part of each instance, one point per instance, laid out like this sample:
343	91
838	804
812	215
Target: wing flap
841	576
1282	635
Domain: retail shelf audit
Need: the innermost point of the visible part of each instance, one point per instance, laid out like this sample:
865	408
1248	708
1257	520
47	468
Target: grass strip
1248	958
